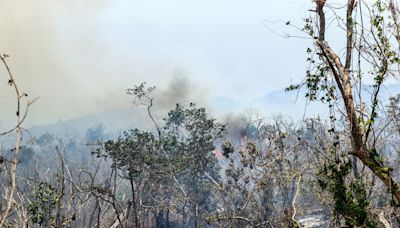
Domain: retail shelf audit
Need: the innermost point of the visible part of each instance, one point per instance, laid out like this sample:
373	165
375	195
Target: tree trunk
136	221
341	74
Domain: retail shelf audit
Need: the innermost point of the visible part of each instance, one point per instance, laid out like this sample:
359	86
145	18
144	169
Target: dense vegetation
191	170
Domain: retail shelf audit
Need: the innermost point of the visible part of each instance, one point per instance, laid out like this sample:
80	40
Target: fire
217	153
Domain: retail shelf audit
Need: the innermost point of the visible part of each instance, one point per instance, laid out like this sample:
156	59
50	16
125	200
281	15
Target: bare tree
20	117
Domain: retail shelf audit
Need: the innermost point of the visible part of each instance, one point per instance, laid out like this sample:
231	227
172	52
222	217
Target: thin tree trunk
136	221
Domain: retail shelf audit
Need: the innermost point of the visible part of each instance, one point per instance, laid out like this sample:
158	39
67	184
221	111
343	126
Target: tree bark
341	74
135	217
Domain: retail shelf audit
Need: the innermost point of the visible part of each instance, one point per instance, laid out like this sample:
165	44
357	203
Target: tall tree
340	78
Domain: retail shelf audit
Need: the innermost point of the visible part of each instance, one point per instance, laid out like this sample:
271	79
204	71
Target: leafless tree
20	117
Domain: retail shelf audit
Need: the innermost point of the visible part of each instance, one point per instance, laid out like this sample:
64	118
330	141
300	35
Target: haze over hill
80	56
292	105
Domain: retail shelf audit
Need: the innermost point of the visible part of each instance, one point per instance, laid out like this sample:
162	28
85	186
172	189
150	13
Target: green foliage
188	138
308	26
370	49
292	87
45	199
178	159
351	201
133	152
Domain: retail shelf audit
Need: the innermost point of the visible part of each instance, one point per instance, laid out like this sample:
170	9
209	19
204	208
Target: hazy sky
80	56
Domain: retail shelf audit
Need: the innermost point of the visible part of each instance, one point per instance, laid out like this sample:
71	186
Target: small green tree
133	154
188	139
170	169
45	200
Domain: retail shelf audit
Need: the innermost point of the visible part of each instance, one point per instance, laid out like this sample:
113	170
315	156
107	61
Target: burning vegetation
189	169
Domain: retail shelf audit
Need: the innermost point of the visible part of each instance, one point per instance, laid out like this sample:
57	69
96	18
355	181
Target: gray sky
80	56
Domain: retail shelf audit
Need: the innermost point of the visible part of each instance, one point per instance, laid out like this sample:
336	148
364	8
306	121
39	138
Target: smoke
237	126
46	57
180	90
58	52
177	92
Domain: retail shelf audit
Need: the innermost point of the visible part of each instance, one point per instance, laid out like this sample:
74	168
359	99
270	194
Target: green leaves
133	152
308	26
181	154
350	197
45	198
192	134
292	87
